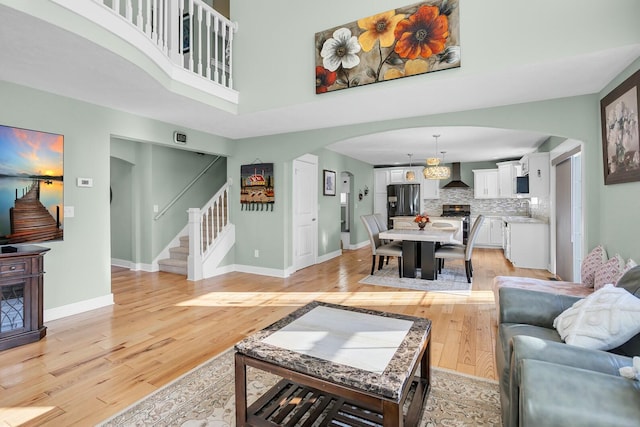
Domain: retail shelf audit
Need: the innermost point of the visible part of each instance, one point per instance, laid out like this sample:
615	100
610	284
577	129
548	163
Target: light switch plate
69	211
84	182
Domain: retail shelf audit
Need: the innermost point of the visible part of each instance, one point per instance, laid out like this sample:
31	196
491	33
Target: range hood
456	182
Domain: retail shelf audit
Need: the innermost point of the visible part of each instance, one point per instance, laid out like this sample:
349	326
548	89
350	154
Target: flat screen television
31	186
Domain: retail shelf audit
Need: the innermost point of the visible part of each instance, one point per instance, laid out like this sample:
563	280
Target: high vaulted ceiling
43	56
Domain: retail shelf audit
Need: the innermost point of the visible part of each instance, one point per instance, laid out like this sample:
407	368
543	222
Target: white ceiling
42	56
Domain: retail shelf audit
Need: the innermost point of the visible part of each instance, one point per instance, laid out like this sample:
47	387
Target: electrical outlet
256	253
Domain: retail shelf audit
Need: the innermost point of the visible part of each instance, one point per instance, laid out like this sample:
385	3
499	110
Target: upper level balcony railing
189	32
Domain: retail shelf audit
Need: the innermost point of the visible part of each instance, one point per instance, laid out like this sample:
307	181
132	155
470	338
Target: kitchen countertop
522	220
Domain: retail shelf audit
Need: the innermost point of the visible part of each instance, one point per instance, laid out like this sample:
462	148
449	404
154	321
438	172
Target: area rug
205	397
452	279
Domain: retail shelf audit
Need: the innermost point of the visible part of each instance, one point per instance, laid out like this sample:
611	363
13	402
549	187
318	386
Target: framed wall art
257	187
329	180
402	42
620	132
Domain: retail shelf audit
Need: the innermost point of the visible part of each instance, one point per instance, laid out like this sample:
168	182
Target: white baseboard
330	255
272	272
121	263
149	268
77	307
358	245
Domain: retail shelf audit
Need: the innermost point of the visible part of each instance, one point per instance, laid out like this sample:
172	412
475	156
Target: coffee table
339	366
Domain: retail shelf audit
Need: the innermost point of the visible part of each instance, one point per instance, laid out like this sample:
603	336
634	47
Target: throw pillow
606	319
591	263
609	272
628	266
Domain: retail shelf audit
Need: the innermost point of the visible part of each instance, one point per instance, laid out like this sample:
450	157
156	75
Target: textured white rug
453	279
204	397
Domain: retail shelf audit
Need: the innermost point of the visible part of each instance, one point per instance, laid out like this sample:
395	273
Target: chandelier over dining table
434	170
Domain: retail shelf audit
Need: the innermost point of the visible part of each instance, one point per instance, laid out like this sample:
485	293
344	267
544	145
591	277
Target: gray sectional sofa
545	382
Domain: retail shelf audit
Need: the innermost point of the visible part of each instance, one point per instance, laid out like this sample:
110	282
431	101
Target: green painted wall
121	209
78	268
156	175
172	171
575	118
495	35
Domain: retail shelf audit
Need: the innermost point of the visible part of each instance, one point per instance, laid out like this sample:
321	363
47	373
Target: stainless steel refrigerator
402	200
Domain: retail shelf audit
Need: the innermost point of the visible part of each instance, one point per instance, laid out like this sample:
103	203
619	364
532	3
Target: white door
305	211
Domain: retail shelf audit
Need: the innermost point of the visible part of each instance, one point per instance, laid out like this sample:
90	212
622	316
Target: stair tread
172	262
179	249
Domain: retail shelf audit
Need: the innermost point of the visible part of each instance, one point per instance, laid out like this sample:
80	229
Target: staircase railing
189	32
205	225
185	189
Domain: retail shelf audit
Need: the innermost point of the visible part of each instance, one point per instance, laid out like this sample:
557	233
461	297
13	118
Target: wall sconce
360	196
366	190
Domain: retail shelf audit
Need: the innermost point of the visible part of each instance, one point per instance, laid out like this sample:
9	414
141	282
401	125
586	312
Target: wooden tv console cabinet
21	278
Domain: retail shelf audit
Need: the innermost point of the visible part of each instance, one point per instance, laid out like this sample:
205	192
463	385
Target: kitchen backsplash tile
506	207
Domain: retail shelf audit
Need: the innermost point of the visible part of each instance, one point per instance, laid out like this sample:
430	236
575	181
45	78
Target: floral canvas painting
402	42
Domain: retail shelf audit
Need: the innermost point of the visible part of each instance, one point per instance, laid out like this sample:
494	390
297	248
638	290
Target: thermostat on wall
179	137
85	182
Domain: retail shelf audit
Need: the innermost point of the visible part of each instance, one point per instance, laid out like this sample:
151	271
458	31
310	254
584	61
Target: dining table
419	248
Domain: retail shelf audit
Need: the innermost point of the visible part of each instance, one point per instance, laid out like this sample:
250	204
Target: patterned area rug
453	279
205	397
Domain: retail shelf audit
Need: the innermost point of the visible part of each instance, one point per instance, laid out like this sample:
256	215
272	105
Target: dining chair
462	252
378	248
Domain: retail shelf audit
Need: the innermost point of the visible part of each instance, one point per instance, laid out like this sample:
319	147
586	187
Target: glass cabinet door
12	309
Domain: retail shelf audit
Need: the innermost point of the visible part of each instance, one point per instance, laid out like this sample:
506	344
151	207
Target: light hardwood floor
93	365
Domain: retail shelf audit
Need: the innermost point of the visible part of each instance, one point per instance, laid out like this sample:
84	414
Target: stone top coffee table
338	364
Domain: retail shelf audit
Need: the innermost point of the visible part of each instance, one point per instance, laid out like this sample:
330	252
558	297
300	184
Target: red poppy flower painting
407	41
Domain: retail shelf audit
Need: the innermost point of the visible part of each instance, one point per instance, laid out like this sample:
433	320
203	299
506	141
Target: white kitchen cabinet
396	176
490	233
507	173
527	244
399	176
495	232
482	239
485	183
429	188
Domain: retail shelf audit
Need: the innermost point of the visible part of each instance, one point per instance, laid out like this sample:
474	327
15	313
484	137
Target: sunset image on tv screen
31	186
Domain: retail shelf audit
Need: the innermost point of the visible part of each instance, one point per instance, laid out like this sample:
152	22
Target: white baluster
194	264
161	24
154	24
216	62
147	19
128	11
191	35
228	54
139	22
208	55
116	6
200	40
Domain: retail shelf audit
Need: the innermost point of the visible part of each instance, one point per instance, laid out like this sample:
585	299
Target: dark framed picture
329	180
620	132
186	31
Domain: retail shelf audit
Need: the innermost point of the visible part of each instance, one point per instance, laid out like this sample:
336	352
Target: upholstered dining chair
378	248
462	252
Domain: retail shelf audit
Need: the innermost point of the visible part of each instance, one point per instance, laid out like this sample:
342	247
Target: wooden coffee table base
302	400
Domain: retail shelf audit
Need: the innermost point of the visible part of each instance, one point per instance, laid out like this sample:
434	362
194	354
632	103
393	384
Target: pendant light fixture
410	175
433	169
